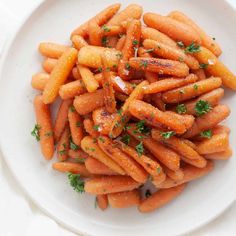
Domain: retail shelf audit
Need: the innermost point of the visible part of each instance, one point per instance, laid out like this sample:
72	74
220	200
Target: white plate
53	21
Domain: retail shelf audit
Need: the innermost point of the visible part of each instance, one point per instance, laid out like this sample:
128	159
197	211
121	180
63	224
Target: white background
18	215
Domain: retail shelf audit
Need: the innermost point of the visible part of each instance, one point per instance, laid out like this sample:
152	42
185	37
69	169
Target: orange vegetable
88	102
124	199
174	29
92	148
192	90
52	50
95	33
63	145
121	42
76	74
39	81
59	75
61	118
160	198
160	66
110	184
201	162
78	42
131	167
175	175
225	155
200	73
43	118
79	155
102	201
90	128
49	64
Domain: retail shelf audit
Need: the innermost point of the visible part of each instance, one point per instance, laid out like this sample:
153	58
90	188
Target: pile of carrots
138	103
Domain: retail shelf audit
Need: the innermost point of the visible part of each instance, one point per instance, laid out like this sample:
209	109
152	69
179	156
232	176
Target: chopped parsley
148	193
181	109
149	50
78	124
72	108
168	134
119	112
206	134
35	132
135	42
125	139
73	146
202	107
181	59
127	66
144	64
101	139
158	170
142	128
76	183
203	65
49	134
62	152
140	149
180	44
192	48
105	28
96	127
195	86
104	41
99	69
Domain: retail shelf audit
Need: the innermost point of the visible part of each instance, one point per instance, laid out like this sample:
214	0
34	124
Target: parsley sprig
202	107
140	149
192	48
168	134
181	109
35	132
206	134
76	183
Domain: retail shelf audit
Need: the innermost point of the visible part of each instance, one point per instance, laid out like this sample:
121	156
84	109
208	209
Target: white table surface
18	215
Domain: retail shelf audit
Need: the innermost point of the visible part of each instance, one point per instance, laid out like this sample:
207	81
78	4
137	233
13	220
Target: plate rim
11	37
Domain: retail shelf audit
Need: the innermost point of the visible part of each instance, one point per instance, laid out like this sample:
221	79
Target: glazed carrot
151	77
155	117
216	67
95	33
90	128
63	145
213	98
150	33
190	143
78	155
175	175
208	121
199	163
156	99
131	44
49	64
160	198
61	118
151	166
207	41
88	102
78	42
96	167
75	168
165	51
220	129
92	148
123	116
168	84
75	73
39	80
177	144
217	143
225	155
43	119
121	85
72	89
121	97
88	78
131	167
52	50
174	29
108	91
101	18
59	75
112	30
110	41
102	201
200	74
90	56
110	184
121	42
190	91
160	66
133	11
124	199
165	155
76	128
190	173
142	52
102	119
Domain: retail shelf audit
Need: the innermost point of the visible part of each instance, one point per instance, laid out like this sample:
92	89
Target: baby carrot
121	42
207	41
200	73
102	201
124	199
95	33
131	167
52	50
165	51
88	102
216	67
39	80
75	73
61	118
160	198
90	128
175	175
78	42
110	184
225	155
63	145
173	28
92	148
49	64
43	118
75	168
192	90
78	155
160	66
59	75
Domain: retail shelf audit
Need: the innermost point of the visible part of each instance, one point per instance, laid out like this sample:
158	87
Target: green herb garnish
206	134
142	128
168	134
76	183
195	86
73	146
192	48
135	42
140	149
78	124
105	28
202	107
49	134
203	65
127	66
72	108
181	109
96	127
35	132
